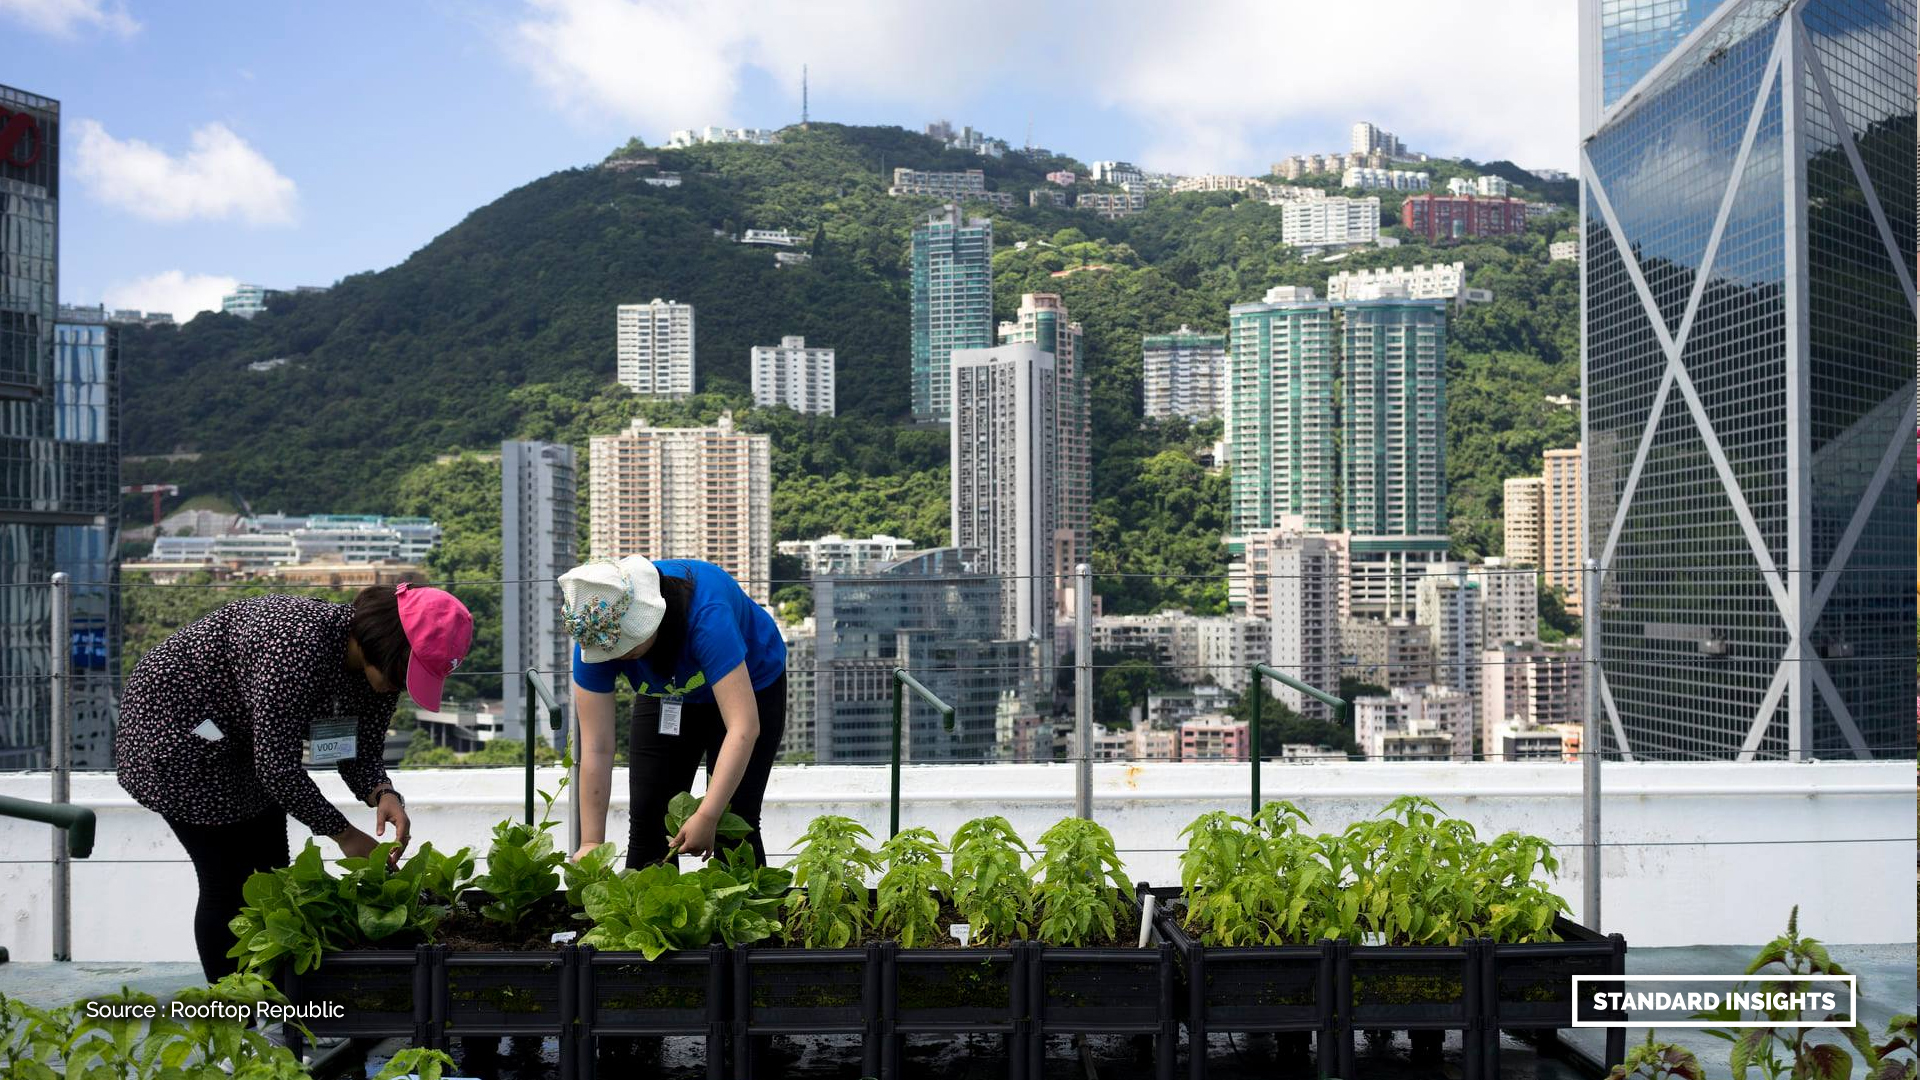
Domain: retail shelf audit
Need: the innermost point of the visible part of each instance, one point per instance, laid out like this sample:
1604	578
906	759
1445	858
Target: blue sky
288	144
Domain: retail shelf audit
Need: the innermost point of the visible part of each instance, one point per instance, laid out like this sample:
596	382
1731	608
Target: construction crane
155	490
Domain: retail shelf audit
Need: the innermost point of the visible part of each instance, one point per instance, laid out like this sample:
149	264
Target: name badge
670	716
334	740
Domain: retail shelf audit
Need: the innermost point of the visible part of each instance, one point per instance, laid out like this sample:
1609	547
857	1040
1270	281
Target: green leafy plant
991	889
650	911
600	864
523	869
1080	893
1898	1059
829	908
1794	1051
684	805
302	911
1518	906
658	909
46	1044
909	892
1658	1061
1408	876
523	864
415	1061
1255	881
384	901
1412	871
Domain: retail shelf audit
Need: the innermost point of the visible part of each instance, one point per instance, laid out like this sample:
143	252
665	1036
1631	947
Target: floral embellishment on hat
595	621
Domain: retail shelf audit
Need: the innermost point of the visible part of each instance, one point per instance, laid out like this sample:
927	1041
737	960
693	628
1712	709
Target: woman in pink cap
214	723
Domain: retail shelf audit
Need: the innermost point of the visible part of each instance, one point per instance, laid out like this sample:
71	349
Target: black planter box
1274	989
1529	987
1411	988
1111	991
623	994
385	993
487	995
962	991
779	991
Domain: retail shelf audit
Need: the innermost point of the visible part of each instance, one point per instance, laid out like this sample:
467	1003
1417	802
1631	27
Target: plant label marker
1146	917
961	932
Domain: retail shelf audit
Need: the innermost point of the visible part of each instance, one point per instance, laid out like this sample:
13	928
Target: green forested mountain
504	326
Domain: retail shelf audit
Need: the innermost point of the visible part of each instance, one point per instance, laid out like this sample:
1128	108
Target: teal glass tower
1394	407
952	304
1282	424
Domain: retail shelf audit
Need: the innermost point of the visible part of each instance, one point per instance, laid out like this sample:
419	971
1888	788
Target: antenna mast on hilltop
803	97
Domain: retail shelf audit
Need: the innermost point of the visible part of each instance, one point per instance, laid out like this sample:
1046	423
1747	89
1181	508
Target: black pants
224	856
662	766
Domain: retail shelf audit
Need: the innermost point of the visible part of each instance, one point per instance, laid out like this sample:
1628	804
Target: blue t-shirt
725	629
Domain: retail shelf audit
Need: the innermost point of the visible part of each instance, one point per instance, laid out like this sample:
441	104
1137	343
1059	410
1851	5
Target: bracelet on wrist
379	793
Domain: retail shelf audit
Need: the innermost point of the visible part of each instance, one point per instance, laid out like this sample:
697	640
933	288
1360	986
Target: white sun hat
611	606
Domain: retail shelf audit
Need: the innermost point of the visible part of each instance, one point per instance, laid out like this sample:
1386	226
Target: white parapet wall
1694	854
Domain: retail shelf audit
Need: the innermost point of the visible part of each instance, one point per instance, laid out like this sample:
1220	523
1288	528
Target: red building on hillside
1451	217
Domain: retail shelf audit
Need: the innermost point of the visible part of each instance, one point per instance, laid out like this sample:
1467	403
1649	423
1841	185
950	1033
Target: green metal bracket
537	683
1262	671
902	682
78	821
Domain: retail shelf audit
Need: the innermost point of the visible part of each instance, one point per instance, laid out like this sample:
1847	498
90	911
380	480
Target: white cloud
664	64
1495	80
63	17
220	176
175	291
1211	84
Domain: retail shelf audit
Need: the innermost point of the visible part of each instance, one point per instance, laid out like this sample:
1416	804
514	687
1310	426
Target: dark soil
465	929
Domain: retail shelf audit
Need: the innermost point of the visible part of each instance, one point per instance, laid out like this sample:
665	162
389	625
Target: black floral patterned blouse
262	669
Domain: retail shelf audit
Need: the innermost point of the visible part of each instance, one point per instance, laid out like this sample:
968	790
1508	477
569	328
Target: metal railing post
537	683
902	682
1590	744
1263	671
573	779
527	737
78	822
60	761
1083	690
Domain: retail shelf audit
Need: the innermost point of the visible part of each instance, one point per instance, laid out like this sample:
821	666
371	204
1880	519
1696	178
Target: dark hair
677	591
383	641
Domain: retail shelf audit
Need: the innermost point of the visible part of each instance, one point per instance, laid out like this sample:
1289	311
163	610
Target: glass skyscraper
86	432
1749	332
537	534
30	505
952	304
938	614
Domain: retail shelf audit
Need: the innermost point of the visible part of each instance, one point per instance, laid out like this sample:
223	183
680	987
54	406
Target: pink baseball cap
439	629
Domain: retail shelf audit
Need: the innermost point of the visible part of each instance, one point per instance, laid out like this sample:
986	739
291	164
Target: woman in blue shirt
708	670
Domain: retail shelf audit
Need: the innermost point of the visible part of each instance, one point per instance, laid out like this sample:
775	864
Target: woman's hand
354	844
696	836
389	809
584	848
